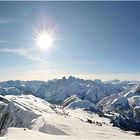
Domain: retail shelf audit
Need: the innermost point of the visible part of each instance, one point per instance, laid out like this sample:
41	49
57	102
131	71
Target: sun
44	41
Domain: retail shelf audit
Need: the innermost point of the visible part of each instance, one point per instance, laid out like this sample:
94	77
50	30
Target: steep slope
123	101
56	91
73	102
32	114
13	114
25	111
127	107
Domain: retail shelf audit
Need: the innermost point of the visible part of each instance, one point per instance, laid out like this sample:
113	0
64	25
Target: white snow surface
62	124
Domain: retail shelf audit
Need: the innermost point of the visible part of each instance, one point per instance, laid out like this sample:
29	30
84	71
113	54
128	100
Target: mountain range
23	104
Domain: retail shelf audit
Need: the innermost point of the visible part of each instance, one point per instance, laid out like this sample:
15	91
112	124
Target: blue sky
92	40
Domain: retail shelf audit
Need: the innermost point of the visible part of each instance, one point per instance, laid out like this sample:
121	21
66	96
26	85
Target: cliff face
14	115
127	107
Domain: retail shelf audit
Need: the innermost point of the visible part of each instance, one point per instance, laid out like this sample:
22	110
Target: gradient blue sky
93	40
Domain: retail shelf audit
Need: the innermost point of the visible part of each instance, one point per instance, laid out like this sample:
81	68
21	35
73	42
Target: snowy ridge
129	99
127	106
120	99
56	91
34	115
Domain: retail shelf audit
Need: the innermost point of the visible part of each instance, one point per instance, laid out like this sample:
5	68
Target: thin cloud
6	20
3	41
24	52
11	50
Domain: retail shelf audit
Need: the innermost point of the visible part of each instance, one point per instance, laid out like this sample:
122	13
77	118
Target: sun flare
44	41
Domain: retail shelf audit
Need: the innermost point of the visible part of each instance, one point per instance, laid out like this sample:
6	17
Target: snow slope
62	124
123	101
126	105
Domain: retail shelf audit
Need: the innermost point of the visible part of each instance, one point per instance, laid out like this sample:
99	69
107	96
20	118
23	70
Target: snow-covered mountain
19	87
127	106
14	114
113	97
74	102
16	83
122	101
25	116
56	91
9	91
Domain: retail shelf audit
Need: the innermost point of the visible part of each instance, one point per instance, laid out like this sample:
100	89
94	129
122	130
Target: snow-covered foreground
21	134
62	124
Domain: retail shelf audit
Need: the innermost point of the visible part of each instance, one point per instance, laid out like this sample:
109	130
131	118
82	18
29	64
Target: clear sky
90	40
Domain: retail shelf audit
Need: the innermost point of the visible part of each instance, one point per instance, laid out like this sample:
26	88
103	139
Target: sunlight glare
44	41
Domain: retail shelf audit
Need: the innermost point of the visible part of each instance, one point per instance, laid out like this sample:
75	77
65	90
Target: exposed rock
127	120
14	115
